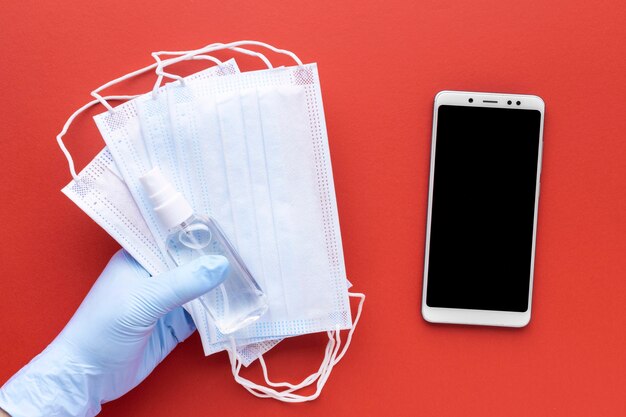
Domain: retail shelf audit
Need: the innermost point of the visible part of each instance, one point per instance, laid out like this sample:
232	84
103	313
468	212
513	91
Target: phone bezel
467	316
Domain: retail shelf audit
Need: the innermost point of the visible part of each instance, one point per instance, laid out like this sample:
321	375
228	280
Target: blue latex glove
127	324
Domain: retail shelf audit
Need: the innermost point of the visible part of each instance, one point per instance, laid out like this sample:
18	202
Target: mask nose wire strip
104	102
332	356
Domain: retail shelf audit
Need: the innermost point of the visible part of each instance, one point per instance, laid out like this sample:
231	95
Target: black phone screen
483	208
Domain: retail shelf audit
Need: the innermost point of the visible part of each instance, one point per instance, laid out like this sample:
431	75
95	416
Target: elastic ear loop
286	395
325	369
160	73
331	359
220	46
97	96
313	376
104	102
158	65
332	356
69	122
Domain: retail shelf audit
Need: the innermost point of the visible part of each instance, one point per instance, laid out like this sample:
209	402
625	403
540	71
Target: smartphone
482	208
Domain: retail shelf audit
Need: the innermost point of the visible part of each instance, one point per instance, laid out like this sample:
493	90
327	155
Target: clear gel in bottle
238	301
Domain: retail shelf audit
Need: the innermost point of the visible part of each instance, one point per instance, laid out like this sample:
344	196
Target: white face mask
172	142
306	288
100	191
296	167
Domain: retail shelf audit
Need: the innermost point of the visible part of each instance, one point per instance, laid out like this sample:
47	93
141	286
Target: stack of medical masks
251	150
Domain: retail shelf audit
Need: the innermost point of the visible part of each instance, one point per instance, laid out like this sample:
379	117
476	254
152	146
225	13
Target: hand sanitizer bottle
238	301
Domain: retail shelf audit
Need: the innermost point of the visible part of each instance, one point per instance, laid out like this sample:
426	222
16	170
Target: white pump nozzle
169	205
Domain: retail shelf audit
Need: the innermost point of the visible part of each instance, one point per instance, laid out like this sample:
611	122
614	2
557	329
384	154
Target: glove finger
187	282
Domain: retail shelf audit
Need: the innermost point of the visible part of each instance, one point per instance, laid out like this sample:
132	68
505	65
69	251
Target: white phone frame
467	316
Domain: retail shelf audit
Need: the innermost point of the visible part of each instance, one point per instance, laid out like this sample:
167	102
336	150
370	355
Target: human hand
127	324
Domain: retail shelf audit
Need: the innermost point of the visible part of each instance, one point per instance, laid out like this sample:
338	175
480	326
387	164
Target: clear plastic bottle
238	301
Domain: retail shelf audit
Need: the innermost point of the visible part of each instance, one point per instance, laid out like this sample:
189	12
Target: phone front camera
518	102
509	102
471	100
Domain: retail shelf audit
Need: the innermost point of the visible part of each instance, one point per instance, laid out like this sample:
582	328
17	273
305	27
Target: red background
381	63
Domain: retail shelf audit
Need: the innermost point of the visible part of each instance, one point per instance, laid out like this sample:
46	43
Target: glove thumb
187	282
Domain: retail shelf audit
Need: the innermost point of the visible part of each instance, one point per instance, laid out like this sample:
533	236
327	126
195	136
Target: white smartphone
482	208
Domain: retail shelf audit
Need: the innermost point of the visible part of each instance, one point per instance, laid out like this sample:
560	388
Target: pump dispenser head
169	205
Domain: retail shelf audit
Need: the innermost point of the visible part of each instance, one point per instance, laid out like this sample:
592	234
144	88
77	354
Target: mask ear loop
161	74
96	93
105	103
69	122
221	46
332	357
335	360
196	54
319	372
287	395
164	63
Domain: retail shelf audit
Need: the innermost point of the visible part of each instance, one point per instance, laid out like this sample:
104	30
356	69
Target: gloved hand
127	324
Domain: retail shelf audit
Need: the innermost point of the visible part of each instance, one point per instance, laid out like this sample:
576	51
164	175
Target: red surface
381	64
